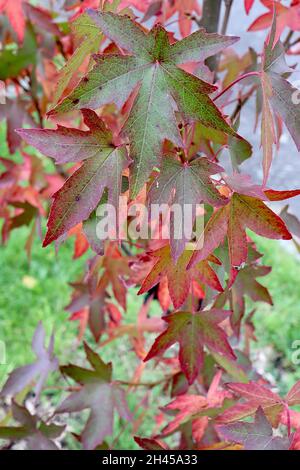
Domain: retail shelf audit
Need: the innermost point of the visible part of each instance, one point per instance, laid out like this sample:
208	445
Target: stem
145	384
242	77
286	43
210	21
288	416
33	98
211	15
294	43
228	6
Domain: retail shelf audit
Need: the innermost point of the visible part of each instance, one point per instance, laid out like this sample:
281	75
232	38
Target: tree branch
228	6
210	21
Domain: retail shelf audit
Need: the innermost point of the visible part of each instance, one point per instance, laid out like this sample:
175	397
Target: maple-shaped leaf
25	375
279	96
258	395
179	278
245	284
255	396
254	436
196	407
164	9
185	11
162	87
88	40
193	331
99	394
185	185
286	16
116	268
37	434
248	5
102	169
232	220
293	396
14	11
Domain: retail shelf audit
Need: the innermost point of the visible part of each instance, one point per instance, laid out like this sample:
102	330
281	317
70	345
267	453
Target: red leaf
102	169
293	397
115	269
189	408
256	395
274	195
14	11
287	17
149	444
179	278
242	212
192	332
185	185
248	5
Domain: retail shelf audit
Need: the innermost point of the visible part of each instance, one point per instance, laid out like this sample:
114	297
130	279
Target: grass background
30	292
39	290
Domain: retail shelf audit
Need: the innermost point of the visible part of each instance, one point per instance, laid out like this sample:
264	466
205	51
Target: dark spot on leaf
77	198
85	79
76	101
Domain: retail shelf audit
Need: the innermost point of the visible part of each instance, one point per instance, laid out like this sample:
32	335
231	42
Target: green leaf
278	95
13	61
99	394
163	88
87	35
88	38
101	170
185	185
232	220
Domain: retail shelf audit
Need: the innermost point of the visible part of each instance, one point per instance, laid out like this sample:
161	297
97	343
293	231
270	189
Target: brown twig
210	21
241	103
228	6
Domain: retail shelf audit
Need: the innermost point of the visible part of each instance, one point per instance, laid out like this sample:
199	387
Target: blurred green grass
39	291
278	326
30	292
